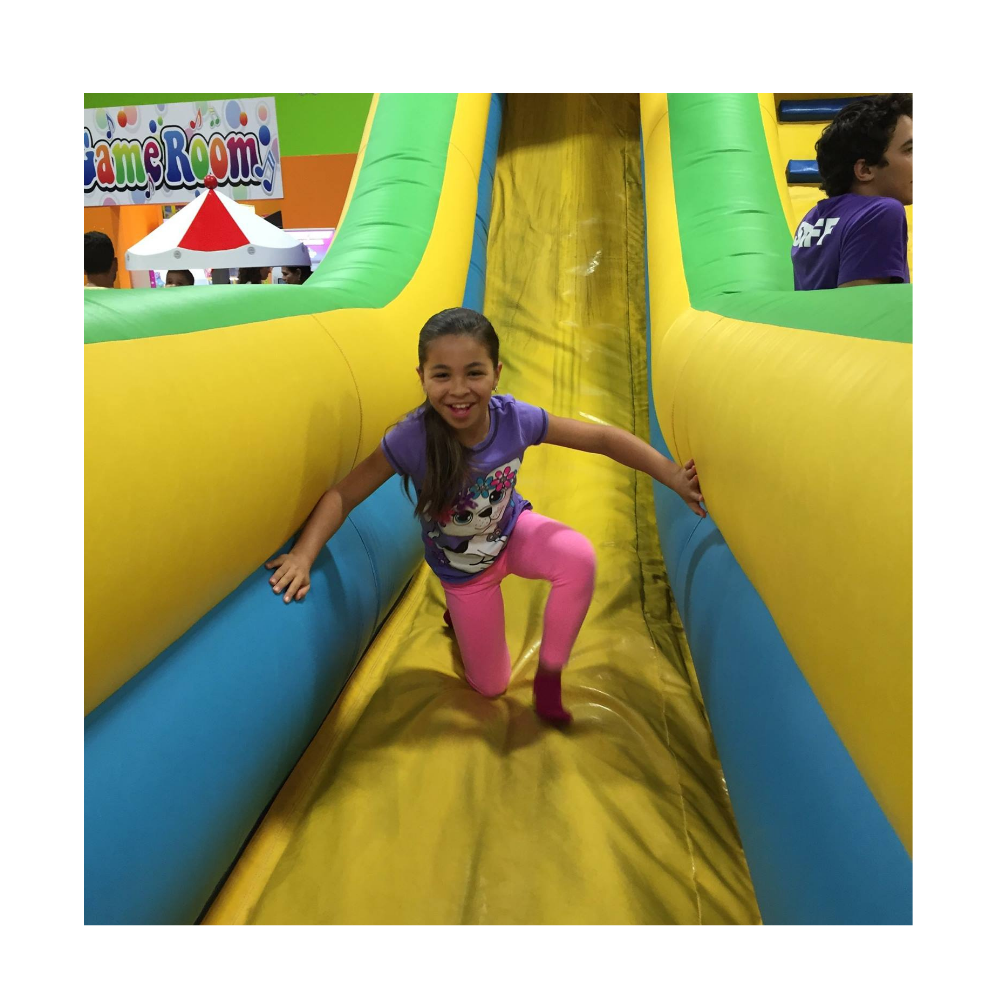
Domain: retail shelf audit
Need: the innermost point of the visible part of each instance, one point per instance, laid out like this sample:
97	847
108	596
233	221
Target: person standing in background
858	234
295	275
178	279
100	266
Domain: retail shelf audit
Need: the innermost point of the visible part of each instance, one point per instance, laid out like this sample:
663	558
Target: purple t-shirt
848	238
476	528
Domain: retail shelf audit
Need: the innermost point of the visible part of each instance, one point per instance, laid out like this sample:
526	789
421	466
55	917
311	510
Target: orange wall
315	189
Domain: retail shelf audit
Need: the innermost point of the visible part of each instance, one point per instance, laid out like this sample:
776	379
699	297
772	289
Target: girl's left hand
684	482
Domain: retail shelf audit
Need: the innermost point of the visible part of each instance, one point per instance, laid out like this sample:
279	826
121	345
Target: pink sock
548	696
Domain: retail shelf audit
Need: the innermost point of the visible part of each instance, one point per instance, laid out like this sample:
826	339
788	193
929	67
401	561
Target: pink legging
539	549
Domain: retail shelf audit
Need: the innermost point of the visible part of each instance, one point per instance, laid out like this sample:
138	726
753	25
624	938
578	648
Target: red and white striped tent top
215	231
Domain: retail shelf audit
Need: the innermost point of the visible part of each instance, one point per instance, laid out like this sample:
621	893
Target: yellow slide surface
422	802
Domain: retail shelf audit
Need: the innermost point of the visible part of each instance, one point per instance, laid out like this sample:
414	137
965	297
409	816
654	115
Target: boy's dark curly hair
98	253
860	131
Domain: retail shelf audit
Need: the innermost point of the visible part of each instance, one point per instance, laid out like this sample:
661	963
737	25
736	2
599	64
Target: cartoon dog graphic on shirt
469	538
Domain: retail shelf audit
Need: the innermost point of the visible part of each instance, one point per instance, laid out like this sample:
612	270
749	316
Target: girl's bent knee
584	560
487	689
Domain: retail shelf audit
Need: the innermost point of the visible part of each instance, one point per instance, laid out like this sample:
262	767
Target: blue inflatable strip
475	282
802	172
819	110
182	760
819	847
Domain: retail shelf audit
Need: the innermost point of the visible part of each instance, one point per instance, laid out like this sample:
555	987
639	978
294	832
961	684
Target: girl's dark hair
449	462
860	131
304	271
248	276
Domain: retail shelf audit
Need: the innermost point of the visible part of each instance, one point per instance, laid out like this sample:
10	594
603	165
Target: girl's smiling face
458	377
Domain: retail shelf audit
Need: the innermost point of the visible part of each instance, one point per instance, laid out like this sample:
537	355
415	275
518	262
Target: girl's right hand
683	480
291	571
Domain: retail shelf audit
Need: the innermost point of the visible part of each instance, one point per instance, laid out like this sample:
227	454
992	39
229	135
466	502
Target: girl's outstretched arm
631	451
291	569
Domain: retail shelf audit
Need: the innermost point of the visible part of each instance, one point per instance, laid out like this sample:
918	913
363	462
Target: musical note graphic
111	124
196	124
215	117
267	173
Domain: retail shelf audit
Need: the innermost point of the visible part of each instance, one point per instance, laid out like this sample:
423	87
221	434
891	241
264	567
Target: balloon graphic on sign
262	112
233	111
265	135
